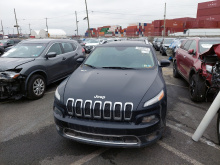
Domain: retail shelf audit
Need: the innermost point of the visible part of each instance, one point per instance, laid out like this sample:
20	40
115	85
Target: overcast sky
61	13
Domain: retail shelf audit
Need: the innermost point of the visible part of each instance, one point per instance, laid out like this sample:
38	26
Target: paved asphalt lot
28	134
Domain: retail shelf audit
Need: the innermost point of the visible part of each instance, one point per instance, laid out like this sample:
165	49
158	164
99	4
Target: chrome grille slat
78	107
128	108
70	107
99	110
107	110
88	111
117	111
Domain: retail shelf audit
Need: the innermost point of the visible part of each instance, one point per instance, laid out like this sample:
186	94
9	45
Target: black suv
117	97
9	42
27	68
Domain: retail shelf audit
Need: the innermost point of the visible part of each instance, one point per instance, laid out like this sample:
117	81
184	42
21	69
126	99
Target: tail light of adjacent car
1	44
83	50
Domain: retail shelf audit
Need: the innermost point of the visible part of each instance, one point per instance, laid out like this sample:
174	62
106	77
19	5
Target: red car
188	64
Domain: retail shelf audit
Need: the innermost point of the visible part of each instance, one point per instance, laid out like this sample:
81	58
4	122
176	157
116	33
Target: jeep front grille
99	110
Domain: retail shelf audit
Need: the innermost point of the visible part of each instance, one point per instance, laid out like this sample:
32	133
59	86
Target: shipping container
218	24
210	4
157	23
208	12
174	23
211	18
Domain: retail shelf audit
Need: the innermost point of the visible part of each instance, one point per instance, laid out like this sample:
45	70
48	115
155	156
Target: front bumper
133	134
108	134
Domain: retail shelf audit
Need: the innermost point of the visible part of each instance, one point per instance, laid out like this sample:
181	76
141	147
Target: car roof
125	43
46	40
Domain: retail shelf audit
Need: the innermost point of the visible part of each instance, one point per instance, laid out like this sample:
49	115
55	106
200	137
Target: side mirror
191	51
164	63
80	60
51	55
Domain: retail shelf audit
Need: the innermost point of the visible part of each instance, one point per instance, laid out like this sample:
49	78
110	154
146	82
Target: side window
11	42
187	44
74	46
55	48
193	46
67	47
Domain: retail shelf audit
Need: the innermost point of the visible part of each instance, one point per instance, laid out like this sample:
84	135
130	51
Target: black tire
218	127
197	88
36	87
175	70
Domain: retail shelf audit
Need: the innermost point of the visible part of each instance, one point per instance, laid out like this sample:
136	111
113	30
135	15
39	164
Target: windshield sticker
207	46
143	50
147	66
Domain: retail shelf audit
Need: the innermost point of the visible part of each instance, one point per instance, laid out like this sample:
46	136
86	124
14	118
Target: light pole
87	18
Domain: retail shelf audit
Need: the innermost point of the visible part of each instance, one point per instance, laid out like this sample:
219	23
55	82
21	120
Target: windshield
159	39
93	41
124	57
205	45
168	41
25	51
3	41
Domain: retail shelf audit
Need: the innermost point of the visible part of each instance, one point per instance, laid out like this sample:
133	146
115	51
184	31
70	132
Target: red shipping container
210	18
188	24
106	26
210	4
208	12
207	24
157	23
218	24
184	19
174	23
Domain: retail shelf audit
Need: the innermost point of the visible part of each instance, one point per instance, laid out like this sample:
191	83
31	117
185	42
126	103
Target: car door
190	58
70	53
55	65
181	62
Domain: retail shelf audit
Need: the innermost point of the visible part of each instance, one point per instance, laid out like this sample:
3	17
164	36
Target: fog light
149	119
151	137
57	111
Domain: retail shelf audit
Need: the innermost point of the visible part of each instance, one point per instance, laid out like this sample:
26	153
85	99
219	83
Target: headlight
57	95
209	68
155	99
9	75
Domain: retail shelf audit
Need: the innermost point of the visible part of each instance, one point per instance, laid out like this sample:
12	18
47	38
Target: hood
213	51
109	85
12	63
167	45
91	44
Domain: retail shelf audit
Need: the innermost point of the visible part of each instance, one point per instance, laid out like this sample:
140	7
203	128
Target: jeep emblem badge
99	97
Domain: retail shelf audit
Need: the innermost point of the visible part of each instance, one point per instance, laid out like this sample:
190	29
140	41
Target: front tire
36	87
175	71
218	127
197	88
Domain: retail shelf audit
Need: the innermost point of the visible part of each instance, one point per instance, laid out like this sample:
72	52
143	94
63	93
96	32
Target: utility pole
16	22
87	19
76	23
2	28
30	28
164	26
47	27
20	30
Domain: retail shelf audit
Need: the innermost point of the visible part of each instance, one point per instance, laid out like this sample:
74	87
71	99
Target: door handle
64	58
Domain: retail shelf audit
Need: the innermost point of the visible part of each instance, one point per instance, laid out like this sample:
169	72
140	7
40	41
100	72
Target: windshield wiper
90	66
123	68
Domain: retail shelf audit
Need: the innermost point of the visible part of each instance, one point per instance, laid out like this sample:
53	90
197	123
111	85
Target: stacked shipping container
209	11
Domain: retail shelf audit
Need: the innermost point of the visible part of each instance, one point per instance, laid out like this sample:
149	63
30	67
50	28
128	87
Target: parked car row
7	44
27	68
188	63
